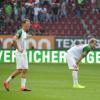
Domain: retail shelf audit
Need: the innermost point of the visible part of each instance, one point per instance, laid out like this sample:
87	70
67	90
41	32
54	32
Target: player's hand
77	63
21	51
78	67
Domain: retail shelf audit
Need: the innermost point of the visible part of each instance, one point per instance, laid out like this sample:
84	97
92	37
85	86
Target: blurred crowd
12	12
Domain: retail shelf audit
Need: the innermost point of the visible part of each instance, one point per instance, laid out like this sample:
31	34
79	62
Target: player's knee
24	71
19	70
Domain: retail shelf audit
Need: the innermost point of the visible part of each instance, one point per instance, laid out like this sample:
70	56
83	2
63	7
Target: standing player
74	55
21	56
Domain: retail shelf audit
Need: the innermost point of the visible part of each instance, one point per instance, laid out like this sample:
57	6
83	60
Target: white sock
75	77
9	79
23	82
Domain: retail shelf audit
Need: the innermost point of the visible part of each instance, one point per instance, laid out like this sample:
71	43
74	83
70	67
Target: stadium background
58	25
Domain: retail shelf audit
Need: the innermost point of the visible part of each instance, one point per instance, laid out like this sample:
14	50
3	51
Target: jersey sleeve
86	50
19	33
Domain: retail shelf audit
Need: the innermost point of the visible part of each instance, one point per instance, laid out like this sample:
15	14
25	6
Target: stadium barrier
46	56
47	42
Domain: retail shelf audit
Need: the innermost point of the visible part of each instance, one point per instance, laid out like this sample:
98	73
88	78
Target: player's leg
23	80
24	73
12	76
75	80
73	66
19	65
75	76
75	71
15	73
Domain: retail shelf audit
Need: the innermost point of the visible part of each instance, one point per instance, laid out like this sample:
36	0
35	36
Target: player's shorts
71	61
21	61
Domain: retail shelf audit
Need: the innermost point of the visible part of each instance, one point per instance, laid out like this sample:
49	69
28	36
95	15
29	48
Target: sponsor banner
66	42
41	42
47	56
46	42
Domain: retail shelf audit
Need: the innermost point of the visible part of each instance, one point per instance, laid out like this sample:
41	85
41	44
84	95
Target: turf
52	82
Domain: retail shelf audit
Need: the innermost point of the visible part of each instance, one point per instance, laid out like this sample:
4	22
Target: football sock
75	77
23	82
9	79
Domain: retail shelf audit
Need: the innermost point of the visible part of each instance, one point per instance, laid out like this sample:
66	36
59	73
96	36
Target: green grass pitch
52	82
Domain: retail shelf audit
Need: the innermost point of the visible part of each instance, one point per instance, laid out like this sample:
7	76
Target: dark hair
25	20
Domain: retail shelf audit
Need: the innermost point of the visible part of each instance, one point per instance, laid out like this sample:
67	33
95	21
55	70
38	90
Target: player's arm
15	42
84	54
81	57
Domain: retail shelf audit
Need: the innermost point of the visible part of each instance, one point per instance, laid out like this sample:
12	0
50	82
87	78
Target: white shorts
71	61
21	61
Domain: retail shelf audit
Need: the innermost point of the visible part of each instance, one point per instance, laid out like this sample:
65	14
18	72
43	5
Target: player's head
93	43
26	24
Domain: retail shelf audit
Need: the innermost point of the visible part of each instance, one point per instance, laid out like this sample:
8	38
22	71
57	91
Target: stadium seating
73	26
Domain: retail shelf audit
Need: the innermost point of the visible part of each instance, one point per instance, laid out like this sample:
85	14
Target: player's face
94	44
27	25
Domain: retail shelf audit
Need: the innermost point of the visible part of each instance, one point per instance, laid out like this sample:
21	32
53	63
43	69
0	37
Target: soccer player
74	55
21	56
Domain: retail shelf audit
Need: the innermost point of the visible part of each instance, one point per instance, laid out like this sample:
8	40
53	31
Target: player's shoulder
87	46
19	33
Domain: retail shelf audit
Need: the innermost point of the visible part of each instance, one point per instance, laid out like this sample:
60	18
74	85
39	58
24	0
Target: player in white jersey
21	56
74	55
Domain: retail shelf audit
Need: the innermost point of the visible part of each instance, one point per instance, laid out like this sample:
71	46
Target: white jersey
77	50
21	41
21	58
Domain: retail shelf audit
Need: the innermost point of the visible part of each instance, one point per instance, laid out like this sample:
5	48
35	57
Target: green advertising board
46	56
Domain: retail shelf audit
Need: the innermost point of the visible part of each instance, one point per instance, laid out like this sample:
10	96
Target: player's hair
25	20
92	40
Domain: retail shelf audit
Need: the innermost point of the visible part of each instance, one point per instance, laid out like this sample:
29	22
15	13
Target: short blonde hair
92	40
25	20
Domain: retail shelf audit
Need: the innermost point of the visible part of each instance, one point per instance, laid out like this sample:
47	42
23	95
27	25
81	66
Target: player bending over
74	55
21	56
